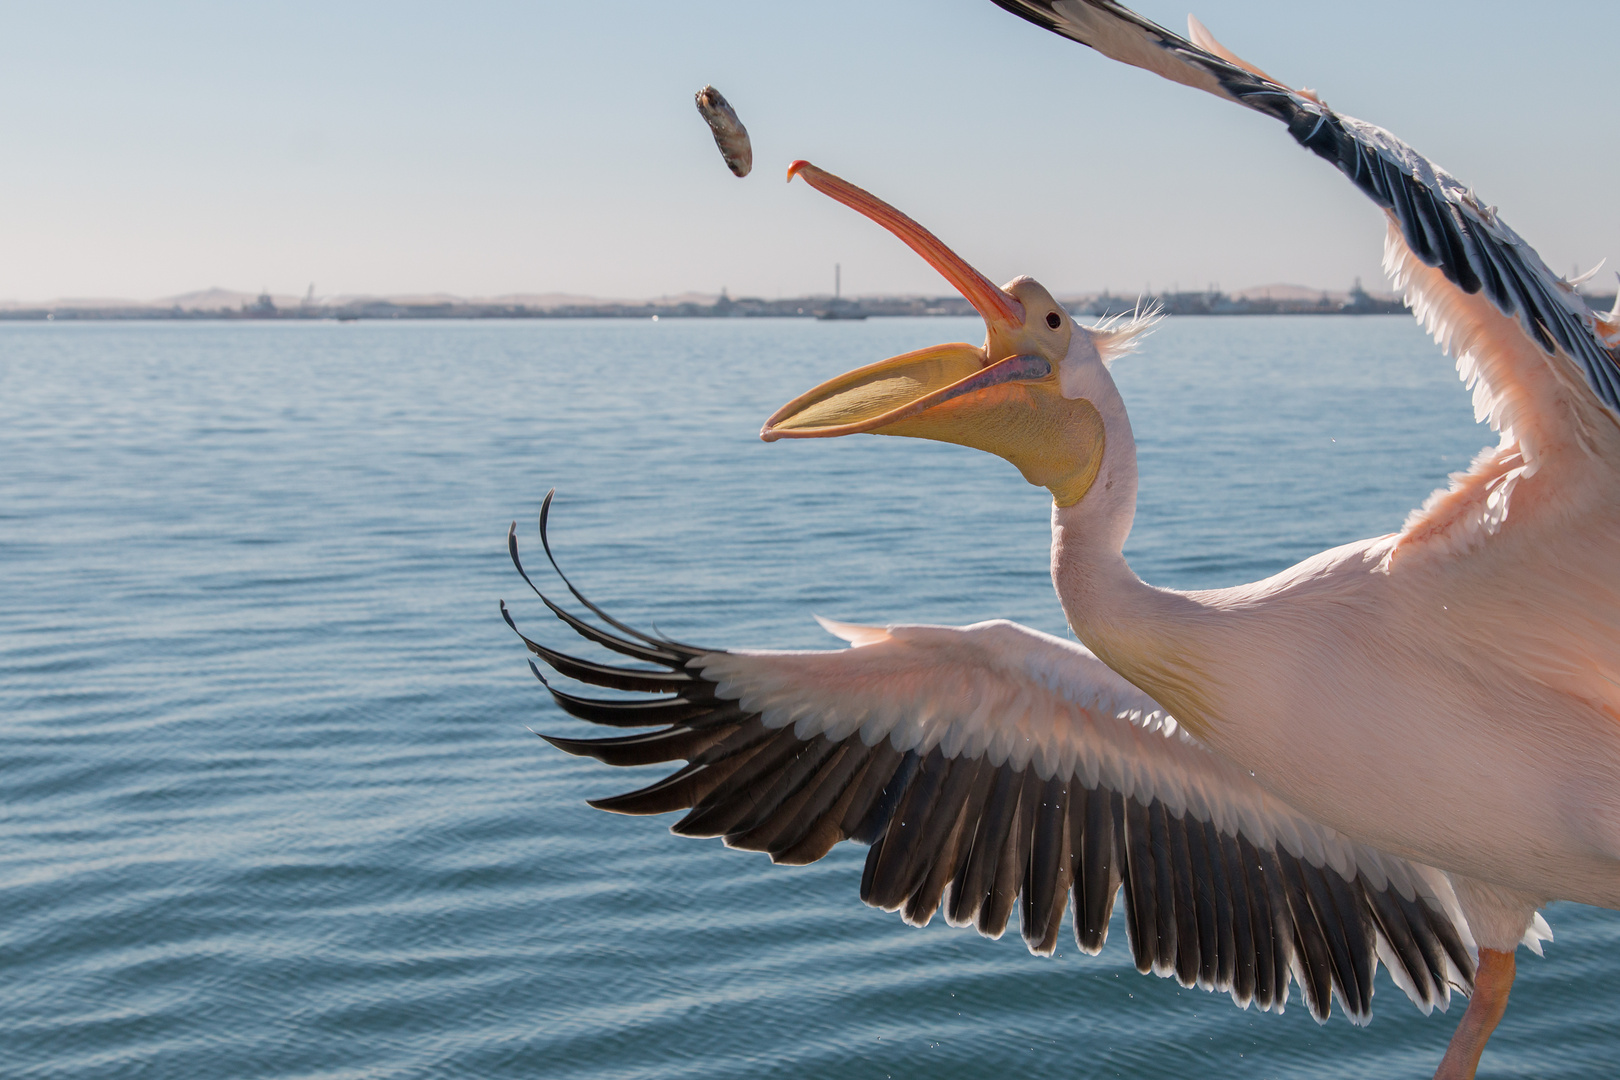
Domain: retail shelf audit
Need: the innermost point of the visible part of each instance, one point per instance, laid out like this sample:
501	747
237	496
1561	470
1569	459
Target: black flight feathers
977	840
1442	223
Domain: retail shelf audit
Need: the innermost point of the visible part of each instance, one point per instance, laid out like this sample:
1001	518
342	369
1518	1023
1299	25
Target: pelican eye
1053	319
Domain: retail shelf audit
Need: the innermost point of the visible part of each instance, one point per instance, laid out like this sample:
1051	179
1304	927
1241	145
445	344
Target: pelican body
1445	693
1393	753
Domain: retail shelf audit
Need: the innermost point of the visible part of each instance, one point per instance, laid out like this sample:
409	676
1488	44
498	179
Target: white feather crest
1120	335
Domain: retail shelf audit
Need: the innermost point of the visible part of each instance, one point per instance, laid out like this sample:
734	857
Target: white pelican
1395	752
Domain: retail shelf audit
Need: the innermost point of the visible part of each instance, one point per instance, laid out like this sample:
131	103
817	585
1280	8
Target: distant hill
217	302
222	299
215	299
102	303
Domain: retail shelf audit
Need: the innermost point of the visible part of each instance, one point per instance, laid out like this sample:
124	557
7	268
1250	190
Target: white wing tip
1537	932
1582	279
1199	34
854	633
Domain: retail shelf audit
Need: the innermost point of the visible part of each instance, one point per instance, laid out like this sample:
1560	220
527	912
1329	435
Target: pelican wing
1446	249
991	767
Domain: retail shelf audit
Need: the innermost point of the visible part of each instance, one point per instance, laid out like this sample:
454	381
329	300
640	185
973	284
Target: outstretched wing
992	766
1522	335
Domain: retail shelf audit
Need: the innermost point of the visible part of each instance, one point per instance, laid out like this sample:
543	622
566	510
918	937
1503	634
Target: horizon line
216	298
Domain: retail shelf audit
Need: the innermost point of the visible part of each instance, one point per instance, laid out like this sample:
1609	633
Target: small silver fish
729	134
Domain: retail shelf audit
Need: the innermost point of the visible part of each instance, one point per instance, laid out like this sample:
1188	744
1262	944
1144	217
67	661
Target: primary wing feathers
995	770
1440	222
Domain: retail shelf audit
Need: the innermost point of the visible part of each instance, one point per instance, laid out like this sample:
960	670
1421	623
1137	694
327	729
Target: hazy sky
485	148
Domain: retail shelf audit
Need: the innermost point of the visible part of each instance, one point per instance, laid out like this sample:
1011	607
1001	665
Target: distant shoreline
1295	301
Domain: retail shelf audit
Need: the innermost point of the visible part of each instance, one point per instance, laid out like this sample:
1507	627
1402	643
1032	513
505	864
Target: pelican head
1005	396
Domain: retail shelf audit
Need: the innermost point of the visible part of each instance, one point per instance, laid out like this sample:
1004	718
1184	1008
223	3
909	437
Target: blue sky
486	148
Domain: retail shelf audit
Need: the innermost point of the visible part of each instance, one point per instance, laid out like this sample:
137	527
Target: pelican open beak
1003	397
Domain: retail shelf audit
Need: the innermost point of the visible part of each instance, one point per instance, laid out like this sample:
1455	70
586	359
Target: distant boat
838	310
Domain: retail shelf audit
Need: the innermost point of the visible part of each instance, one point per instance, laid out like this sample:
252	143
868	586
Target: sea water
269	801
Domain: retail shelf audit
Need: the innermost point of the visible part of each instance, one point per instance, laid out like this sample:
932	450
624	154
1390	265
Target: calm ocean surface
268	804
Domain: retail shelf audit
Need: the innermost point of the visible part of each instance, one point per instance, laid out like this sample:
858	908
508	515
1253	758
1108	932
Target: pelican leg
1492	981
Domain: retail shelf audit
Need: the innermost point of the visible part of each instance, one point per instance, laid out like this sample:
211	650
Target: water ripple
271	809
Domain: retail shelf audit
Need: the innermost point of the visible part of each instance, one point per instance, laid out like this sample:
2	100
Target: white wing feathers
1019	698
993	768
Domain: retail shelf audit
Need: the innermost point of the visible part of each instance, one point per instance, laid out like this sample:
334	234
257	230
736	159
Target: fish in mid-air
729	134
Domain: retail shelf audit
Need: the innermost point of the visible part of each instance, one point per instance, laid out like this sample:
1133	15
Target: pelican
1395	752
